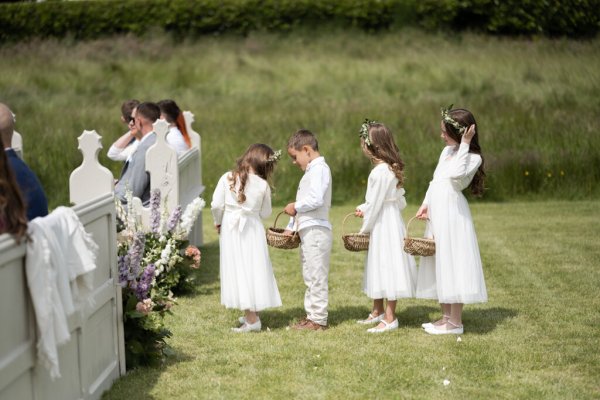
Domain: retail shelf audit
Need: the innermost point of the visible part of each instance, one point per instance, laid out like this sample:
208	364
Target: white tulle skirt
454	274
390	273
247	280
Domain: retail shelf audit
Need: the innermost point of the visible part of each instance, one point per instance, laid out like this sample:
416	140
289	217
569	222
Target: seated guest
31	188
124	146
177	137
134	176
13	217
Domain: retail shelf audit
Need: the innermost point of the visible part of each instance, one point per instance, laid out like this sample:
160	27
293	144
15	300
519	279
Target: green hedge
575	18
92	19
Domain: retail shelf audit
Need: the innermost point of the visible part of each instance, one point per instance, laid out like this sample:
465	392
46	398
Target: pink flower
193	253
144	306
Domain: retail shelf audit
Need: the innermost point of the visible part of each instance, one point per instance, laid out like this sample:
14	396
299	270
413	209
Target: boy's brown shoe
307	324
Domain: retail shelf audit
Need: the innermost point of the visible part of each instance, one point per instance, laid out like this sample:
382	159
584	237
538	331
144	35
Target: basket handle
275	222
410	220
344	222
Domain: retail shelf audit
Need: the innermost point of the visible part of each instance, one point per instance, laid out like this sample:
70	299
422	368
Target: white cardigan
60	257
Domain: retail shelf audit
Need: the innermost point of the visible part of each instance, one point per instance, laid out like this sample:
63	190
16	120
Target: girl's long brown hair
383	148
255	158
465	118
13	213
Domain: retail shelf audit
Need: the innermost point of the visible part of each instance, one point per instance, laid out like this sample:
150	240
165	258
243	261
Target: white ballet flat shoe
457	330
431	325
388	326
246	327
371	319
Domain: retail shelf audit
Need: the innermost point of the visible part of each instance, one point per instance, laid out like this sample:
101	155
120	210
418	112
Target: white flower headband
364	131
274	157
449	120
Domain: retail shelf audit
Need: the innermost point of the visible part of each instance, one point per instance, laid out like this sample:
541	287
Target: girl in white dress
390	273
454	275
242	197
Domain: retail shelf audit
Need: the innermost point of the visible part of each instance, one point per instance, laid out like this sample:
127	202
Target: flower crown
364	131
449	120
274	157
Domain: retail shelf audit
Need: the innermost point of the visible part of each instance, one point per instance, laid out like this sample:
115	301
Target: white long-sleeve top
176	141
381	191
457	166
313	199
122	154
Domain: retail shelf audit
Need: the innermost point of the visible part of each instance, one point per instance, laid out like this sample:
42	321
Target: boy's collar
314	161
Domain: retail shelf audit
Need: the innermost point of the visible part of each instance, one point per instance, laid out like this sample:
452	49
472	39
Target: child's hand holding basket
354	241
418	246
280	240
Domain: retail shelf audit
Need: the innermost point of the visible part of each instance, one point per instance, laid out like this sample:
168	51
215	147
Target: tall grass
536	102
536	338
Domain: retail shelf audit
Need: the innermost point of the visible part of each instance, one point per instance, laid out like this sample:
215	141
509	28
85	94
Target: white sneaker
371	319
457	330
424	325
388	326
246	327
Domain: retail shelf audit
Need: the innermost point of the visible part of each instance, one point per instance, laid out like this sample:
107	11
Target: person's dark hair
465	118
256	158
13	212
383	147
174	115
148	110
301	138
127	108
170	109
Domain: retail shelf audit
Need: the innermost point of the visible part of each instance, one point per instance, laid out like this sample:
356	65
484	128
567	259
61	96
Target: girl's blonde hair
257	158
382	147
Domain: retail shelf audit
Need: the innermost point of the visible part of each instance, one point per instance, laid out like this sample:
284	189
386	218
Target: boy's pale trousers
315	251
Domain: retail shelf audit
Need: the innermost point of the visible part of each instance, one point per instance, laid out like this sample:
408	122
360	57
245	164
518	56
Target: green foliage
92	19
183	18
536	337
576	18
536	103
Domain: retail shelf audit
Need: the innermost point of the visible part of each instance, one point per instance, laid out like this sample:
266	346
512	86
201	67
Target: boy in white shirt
310	214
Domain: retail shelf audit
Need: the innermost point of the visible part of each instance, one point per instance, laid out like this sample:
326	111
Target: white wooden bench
95	355
17	144
179	179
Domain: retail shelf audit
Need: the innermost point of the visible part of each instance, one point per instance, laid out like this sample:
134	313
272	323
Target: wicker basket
355	241
418	246
276	238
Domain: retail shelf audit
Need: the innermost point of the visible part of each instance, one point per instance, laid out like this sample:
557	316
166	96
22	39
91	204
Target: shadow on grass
143	379
207	274
281	319
485	320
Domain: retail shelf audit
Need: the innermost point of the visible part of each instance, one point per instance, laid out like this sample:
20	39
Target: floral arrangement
154	263
449	120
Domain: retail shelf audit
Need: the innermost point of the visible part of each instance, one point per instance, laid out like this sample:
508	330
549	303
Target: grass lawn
537	337
536	102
